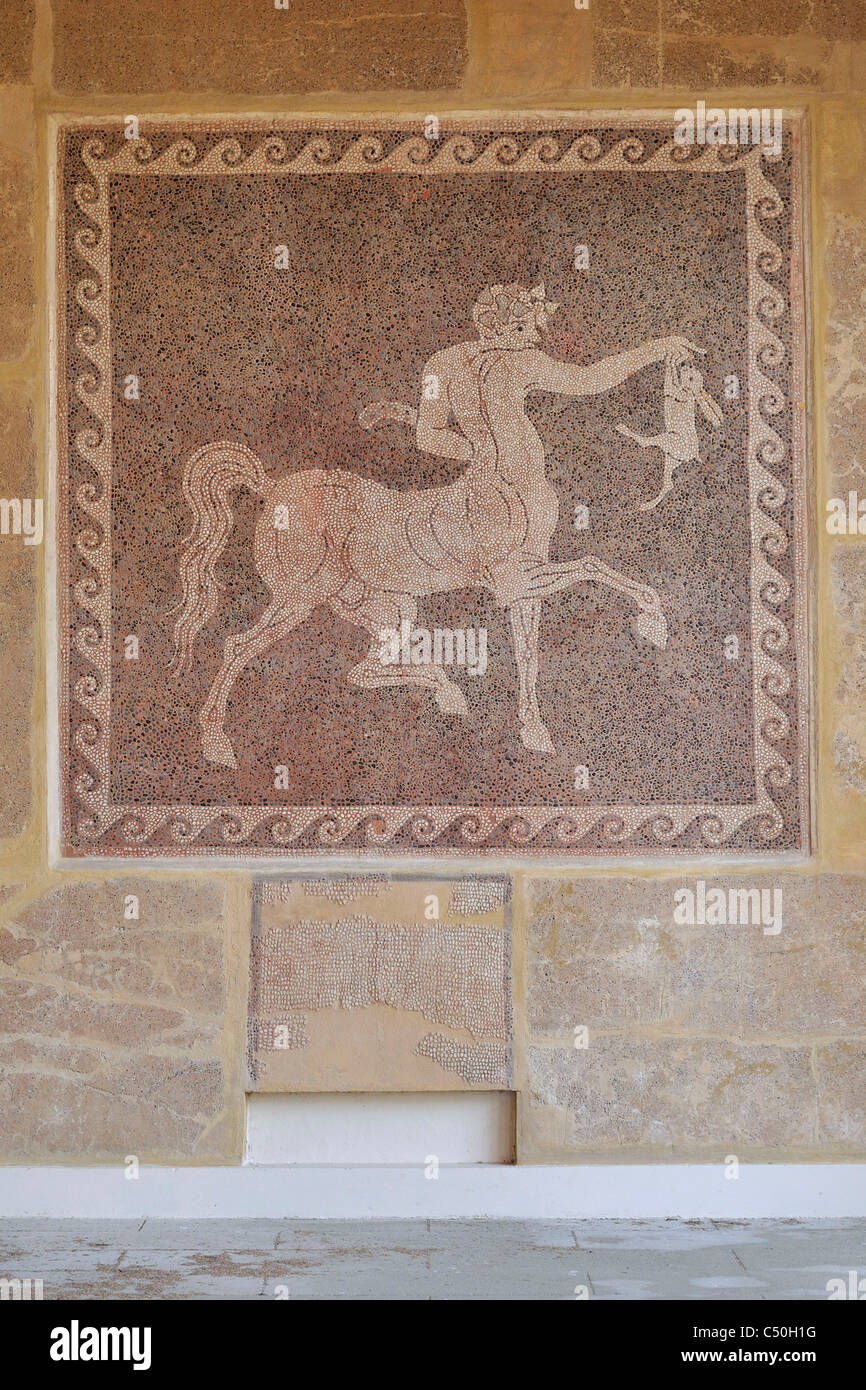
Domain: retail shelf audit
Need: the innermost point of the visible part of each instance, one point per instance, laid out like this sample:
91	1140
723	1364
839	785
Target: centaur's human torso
460	535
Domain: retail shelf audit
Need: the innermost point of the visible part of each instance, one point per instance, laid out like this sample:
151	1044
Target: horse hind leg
386	615
525	616
275	623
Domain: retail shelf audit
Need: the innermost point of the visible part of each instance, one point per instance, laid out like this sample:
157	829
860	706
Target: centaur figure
330	536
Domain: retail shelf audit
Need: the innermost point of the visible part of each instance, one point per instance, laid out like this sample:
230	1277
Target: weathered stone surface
841	135
701	1038
607	953
521	50
689	45
843	790
16	220
831	19
637	15
841	1072
624	59
706	63
251	46
16	41
845	353
18	578
666	1095
848	579
9	891
856	71
112	1026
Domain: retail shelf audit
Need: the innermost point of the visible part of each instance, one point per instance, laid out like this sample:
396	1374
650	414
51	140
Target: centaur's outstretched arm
545	373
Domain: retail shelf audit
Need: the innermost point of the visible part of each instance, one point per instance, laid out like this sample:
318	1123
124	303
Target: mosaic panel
430	488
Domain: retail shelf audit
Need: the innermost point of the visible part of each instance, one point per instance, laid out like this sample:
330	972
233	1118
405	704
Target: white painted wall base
454	1127
495	1192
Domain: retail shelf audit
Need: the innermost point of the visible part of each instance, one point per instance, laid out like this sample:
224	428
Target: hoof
652	626
217	749
536	738
451	700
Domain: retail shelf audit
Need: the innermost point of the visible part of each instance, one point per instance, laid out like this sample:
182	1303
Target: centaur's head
509	316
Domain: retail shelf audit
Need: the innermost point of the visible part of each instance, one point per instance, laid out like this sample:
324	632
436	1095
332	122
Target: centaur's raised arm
571	379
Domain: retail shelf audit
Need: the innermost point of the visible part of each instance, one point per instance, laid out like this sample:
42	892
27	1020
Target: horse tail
378	411
211	474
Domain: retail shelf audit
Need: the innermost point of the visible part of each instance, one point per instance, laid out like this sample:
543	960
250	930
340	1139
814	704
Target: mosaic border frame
90	608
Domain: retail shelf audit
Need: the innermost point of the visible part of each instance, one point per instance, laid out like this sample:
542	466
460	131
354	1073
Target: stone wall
123	995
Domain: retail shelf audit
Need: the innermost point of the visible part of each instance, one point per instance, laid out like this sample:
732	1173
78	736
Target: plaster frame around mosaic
614	824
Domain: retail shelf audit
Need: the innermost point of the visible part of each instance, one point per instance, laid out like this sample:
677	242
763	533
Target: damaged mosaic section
339	889
276	1033
478	895
478	1064
449	974
345	1002
532	391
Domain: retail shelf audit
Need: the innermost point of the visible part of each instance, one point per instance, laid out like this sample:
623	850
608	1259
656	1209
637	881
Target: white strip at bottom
494	1192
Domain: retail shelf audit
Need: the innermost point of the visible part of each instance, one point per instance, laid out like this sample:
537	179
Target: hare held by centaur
684	391
330	536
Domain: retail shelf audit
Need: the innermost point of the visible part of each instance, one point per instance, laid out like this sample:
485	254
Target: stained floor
439	1260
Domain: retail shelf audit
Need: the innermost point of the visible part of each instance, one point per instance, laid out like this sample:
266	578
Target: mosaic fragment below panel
378	984
431	491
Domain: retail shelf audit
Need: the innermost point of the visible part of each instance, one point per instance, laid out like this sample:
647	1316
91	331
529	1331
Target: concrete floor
432	1260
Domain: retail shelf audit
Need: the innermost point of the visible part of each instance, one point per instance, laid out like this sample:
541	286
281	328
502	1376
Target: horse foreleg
276	622
543	579
525	616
